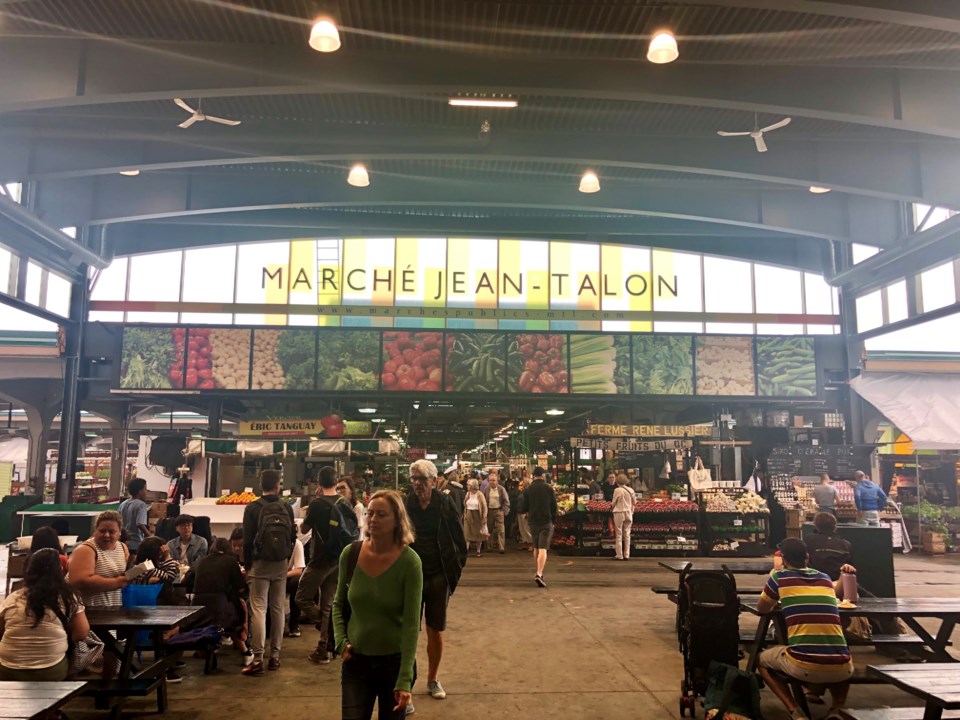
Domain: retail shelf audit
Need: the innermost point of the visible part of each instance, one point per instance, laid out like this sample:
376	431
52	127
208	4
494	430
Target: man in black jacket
442	549
539	502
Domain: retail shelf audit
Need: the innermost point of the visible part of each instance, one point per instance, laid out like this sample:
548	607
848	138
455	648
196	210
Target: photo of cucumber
663	365
786	367
596	362
476	362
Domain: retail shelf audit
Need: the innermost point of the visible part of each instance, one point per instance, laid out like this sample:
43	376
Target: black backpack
274	539
334	530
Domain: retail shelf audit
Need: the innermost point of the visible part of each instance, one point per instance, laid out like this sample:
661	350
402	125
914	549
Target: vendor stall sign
629	444
414	454
301	427
638	431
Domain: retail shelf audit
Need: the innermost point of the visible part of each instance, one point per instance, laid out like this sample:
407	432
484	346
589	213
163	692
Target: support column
70	411
119	429
38	427
215	430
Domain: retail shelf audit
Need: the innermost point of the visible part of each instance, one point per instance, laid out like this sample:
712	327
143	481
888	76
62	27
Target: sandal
813	698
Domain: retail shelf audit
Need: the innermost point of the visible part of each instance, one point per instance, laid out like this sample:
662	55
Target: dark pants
368	678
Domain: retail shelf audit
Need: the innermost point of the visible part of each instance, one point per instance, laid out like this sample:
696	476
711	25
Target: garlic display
725	366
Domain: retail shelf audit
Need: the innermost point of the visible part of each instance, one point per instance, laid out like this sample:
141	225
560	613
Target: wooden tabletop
937	683
30	699
737	567
911	607
161	617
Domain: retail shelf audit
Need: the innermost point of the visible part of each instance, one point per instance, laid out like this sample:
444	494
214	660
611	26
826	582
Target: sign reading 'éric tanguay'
299	427
648	431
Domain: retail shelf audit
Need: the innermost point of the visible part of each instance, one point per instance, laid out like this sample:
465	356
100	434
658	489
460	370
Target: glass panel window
862	252
263	272
780	329
897	302
728	285
938	287
206	318
869	312
819	295
821	330
111	282
778	289
936	216
6	258
678	327
729	328
678	282
34	281
940	335
105	316
156	276
13	319
208	274
58	295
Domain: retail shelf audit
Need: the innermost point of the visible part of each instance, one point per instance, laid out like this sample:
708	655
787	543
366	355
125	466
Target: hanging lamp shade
589	183
324	36
663	48
358	176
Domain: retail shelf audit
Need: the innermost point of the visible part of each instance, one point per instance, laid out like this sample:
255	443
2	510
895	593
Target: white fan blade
776	125
186	107
222	121
723	133
189	121
761	145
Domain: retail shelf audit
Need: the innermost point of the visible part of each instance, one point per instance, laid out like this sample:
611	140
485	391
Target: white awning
925	407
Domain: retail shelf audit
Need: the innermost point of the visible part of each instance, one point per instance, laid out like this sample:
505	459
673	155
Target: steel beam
50	70
112	200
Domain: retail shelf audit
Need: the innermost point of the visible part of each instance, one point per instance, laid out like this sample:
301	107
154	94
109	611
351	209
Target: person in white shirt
348	490
623	499
298	562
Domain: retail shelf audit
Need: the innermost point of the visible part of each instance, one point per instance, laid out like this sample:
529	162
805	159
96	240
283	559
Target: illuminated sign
641	431
299	427
630	445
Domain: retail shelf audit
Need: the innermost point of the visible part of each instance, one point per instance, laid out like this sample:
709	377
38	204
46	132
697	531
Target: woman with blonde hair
623	500
380	583
474	516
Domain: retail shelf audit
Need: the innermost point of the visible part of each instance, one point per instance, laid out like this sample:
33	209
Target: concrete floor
596	644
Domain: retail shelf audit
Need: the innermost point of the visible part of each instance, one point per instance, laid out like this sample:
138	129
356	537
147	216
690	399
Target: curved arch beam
59	73
111	200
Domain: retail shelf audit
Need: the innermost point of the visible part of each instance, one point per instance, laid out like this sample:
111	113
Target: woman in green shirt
379	641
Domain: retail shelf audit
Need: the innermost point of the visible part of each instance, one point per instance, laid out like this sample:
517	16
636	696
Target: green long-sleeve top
385	611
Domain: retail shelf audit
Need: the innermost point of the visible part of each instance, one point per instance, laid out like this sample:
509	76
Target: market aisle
595	644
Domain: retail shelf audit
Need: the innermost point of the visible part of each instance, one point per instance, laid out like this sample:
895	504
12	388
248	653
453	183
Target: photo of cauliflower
725	366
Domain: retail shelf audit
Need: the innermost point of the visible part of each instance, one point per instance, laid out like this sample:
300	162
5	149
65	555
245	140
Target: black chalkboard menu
838	461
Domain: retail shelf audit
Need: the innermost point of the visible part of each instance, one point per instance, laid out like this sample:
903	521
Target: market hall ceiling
872	87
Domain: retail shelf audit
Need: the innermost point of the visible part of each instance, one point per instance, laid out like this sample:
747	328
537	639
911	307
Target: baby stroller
707	628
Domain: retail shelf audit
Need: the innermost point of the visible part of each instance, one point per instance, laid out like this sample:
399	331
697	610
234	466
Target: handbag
484	531
731	694
700	477
81	654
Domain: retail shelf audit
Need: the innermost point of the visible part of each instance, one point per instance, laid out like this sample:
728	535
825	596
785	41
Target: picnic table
937	684
27	700
126	623
737	567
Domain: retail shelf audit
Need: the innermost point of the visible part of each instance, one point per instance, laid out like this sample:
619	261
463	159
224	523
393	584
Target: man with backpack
269	533
332	525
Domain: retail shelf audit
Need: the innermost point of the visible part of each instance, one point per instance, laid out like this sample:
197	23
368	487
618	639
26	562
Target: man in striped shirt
816	652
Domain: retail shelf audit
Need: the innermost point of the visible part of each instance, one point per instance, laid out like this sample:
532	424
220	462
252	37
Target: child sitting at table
816	652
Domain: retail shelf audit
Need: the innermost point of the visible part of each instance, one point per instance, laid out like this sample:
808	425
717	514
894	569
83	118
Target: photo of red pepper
537	363
412	361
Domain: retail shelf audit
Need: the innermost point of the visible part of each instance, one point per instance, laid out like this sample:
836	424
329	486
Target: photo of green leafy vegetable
147	358
663	365
476	362
348	359
622	376
786	367
296	355
596	365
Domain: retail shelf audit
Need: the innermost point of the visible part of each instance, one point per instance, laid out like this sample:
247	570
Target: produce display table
937	684
223	518
28	700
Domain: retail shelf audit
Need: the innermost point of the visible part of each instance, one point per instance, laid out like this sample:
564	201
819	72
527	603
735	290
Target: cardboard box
934	543
794	519
157	510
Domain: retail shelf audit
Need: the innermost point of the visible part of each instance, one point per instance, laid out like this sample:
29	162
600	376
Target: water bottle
848	582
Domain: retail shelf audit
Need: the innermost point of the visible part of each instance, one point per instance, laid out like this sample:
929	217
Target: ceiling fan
757	132
198	116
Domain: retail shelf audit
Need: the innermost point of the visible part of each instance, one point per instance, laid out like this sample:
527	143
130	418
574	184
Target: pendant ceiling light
358	176
589	183
817	190
662	48
130	173
324	36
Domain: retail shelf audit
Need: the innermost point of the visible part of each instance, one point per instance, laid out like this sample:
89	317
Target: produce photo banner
470	361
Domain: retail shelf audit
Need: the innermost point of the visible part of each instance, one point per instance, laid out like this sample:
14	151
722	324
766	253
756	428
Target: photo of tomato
412	361
537	363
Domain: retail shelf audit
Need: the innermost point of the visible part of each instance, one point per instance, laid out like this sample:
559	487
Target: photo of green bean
786	367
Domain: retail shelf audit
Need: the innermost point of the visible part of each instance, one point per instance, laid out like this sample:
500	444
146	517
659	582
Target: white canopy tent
924	406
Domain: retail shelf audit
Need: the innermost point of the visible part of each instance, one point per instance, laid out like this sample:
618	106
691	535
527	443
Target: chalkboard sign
838	461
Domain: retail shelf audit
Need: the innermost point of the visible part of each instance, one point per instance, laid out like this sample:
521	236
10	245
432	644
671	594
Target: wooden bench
661	590
910	713
102	691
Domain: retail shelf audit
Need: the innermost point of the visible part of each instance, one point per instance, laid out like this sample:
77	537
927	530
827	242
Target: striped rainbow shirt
809	604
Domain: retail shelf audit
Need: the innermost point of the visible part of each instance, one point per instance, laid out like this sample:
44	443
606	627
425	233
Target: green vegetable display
662	365
622	376
593	364
786	367
476	362
348	360
296	351
148	354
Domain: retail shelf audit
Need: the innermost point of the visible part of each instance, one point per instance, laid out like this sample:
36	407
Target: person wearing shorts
442	548
539	502
816	652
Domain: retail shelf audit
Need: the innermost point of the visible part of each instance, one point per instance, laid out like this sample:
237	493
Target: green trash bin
9	520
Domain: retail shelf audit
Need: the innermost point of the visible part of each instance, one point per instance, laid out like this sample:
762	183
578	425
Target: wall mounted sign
630	445
646	431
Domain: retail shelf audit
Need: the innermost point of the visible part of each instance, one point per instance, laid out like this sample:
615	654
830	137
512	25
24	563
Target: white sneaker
247	657
436	690
409	710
